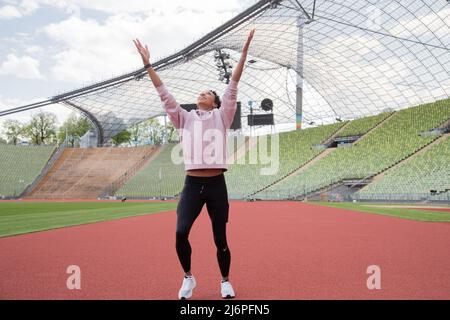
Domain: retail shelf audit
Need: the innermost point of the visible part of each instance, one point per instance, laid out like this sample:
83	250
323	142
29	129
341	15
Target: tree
13	129
135	134
152	131
172	133
73	128
121	137
41	128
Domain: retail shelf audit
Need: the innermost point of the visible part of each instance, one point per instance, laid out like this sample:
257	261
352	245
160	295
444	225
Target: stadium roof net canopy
318	61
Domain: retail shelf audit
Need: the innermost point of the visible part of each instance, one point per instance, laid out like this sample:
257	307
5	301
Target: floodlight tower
223	65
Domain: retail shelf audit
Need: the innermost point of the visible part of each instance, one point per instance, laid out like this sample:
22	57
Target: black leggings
196	192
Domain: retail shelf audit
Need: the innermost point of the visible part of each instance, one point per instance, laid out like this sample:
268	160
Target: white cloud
143	6
18	38
29	6
91	50
18	10
84	50
24	67
9	12
33	49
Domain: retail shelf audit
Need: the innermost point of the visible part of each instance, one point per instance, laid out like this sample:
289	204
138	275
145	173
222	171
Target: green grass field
23	217
392	210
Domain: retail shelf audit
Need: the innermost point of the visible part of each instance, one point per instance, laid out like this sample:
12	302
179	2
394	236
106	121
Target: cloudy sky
52	46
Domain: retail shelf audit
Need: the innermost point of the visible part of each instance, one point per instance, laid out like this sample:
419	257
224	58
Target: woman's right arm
174	111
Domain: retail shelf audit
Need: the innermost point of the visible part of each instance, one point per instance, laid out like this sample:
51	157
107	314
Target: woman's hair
216	99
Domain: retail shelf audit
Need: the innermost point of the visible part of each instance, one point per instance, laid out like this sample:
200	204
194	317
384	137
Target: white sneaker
187	287
226	289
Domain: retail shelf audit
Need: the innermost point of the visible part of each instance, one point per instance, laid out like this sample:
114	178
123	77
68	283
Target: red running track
280	250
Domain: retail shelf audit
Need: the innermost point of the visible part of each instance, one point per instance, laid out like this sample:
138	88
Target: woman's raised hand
143	51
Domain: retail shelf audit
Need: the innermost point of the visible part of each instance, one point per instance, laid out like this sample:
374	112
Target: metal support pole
299	70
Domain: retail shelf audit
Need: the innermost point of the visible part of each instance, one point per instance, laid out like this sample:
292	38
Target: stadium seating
302	165
160	177
85	173
242	179
362	125
295	149
388	144
427	171
20	165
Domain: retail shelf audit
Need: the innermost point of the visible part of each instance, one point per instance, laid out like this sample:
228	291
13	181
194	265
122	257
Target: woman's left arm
240	66
229	98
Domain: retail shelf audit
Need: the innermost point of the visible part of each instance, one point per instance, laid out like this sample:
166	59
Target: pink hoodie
203	133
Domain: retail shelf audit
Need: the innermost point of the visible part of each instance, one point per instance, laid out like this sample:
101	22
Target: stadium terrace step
84	173
384	146
425	174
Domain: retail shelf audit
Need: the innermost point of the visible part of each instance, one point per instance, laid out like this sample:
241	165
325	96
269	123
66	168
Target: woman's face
205	100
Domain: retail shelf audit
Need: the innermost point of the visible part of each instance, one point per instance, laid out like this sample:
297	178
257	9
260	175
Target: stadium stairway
419	121
407	159
85	173
378	125
415	176
127	175
371	178
304	166
445	125
337	133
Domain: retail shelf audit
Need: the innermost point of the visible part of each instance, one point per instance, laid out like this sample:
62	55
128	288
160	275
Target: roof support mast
303	19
